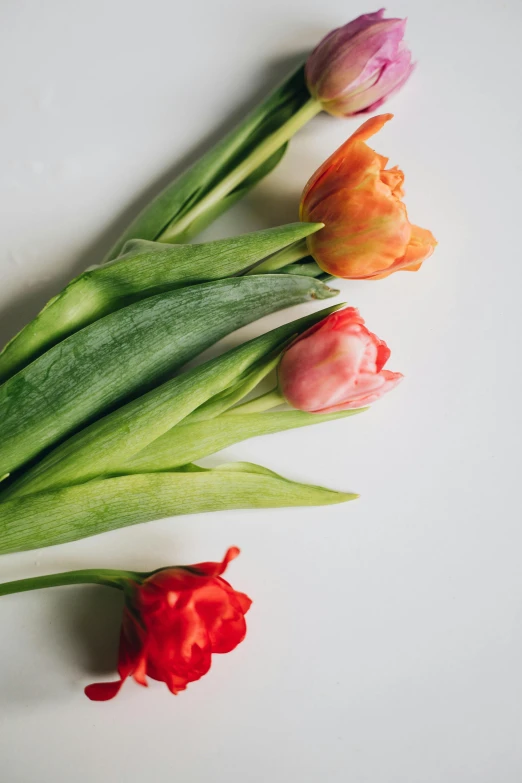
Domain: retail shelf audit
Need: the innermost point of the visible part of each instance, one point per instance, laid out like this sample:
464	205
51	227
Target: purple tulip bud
356	67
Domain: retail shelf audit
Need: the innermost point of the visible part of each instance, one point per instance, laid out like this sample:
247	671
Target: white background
385	638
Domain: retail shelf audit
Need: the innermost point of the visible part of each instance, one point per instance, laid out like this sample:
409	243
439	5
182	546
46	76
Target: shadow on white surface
24	307
78	639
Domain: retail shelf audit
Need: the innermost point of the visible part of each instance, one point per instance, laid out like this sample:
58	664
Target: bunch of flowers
102	425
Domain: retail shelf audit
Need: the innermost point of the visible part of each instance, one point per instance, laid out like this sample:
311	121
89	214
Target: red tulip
336	365
173	621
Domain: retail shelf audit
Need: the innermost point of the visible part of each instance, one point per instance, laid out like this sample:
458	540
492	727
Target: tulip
336	365
173	620
367	233
355	68
172	623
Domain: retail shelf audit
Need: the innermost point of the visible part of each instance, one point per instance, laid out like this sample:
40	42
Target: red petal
131	644
244	601
140	672
383	354
215	569
227	637
103	691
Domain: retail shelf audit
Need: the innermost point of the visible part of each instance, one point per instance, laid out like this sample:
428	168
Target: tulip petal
140	671
383	354
420	247
345	168
243	600
394	179
103	691
366	231
216	569
230	631
373	392
370	127
393	76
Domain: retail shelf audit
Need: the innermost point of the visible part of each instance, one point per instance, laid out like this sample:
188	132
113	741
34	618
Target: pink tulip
336	365
355	68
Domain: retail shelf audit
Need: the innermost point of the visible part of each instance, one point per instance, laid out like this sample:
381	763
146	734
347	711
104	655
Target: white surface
385	639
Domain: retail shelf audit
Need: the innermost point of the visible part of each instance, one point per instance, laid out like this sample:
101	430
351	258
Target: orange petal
412	267
370	127
348	163
394	178
365	232
420	247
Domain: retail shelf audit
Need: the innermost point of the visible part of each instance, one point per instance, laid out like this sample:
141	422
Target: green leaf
145	269
192	441
101	448
59	516
127	352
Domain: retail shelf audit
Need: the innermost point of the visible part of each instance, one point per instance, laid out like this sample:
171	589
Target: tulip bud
336	365
356	67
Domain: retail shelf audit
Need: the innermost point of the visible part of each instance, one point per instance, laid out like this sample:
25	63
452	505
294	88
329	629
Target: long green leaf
146	268
101	448
127	352
62	515
192	441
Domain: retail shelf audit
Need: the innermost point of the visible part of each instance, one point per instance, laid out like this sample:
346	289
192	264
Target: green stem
288	255
266	401
262	153
106	577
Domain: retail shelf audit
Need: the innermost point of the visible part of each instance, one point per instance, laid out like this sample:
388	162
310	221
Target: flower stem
284	257
106	577
266	401
260	154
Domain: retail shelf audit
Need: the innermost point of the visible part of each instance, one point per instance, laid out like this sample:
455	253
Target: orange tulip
367	233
